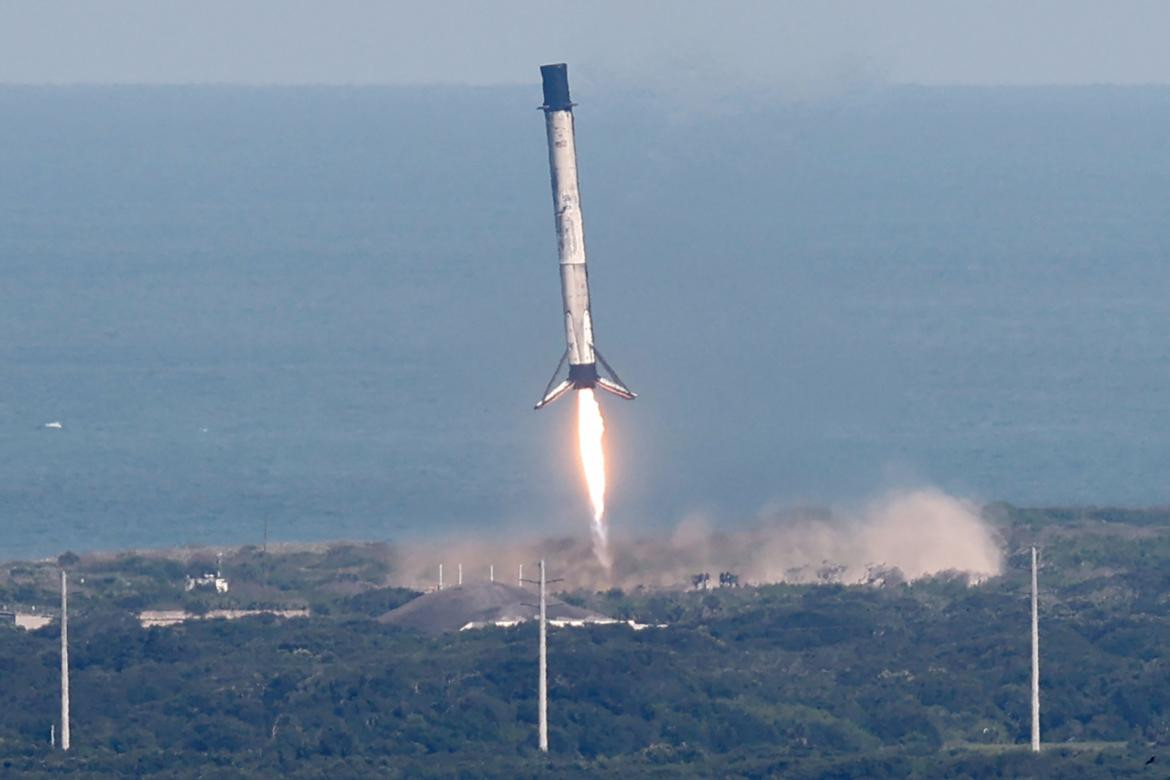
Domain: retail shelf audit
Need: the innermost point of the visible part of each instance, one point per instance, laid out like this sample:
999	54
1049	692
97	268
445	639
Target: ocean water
332	309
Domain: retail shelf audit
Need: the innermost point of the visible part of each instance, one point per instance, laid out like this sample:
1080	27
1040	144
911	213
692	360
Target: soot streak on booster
580	353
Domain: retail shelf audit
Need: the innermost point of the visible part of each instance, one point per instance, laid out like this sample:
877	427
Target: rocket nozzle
556	87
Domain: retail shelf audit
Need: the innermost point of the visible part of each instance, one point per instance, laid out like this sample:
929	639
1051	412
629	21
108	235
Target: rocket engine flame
590	429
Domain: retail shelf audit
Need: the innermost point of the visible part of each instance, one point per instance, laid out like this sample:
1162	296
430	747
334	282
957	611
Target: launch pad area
929	676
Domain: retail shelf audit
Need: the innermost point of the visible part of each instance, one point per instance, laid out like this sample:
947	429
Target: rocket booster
580	353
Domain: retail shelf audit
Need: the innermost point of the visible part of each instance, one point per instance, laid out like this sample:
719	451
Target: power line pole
64	661
1035	659
543	665
542	679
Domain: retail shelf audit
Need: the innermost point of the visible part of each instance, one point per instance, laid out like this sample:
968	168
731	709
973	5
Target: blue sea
332	309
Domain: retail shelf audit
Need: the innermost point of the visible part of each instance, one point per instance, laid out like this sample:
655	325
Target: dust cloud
901	536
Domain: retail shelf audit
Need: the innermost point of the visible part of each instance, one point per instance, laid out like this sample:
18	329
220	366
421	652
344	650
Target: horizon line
514	84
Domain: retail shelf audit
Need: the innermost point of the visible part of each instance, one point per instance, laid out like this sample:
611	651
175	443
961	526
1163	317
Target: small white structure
208	581
585	622
31	621
171	617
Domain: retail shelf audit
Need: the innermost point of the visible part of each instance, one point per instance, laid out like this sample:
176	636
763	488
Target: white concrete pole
1035	659
543	685
520	577
64	661
461	575
440	576
492	572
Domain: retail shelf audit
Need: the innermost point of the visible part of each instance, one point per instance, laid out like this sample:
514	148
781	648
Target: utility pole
542	685
491	572
461	575
1035	659
542	680
440	576
543	665
64	661
520	577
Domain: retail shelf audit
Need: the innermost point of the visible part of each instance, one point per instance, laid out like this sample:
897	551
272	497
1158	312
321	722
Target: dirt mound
477	605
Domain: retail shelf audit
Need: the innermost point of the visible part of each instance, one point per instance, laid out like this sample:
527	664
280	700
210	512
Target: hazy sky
699	42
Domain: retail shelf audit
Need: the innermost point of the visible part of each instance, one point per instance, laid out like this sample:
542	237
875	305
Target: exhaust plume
590	429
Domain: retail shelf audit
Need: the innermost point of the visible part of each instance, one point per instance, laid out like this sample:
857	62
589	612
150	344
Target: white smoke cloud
919	533
905	535
925	532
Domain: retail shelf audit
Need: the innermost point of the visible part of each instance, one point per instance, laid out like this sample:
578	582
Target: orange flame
590	428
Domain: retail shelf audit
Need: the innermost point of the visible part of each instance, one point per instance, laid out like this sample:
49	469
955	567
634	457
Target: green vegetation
346	579
922	680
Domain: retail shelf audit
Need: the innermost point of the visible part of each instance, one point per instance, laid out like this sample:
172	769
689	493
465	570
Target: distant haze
689	45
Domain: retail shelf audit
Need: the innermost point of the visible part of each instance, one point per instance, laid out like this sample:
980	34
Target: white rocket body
580	353
562	159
